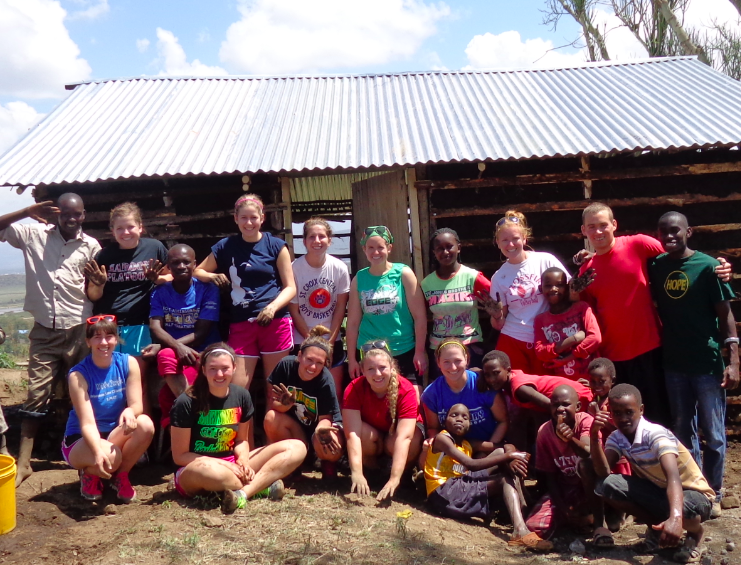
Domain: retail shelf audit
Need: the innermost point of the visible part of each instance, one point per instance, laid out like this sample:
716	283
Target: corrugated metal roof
152	127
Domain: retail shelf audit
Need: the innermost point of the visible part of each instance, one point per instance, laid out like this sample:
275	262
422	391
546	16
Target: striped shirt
651	442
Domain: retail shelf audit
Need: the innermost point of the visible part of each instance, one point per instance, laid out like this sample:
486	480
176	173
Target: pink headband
243	199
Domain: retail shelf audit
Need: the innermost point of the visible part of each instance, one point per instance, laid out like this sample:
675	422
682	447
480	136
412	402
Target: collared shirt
651	442
55	282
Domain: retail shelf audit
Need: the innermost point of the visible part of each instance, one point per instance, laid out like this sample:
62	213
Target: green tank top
386	313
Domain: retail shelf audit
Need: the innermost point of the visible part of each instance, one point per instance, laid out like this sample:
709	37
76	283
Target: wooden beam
677	200
417	253
424	228
591	175
285	189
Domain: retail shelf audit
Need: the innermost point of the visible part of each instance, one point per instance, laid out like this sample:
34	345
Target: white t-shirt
317	290
518	288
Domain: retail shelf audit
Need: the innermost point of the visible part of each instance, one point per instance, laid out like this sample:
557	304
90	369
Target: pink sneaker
91	487
121	484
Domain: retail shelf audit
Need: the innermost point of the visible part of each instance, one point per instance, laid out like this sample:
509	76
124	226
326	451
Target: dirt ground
317	523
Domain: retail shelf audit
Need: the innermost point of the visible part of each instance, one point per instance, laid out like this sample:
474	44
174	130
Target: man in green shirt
695	311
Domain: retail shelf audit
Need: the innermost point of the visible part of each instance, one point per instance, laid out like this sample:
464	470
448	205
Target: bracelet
731	340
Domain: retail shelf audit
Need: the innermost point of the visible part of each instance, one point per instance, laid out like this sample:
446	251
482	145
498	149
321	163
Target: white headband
220	350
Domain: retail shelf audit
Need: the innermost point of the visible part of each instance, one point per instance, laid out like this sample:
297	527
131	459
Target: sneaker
91	487
231	500
276	491
329	470
715	511
121	484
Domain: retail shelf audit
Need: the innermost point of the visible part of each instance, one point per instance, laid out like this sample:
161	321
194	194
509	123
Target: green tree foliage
16	326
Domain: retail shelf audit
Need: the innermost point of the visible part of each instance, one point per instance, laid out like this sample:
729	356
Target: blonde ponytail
513	218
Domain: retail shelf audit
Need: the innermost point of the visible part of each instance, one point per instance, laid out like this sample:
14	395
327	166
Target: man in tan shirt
55	256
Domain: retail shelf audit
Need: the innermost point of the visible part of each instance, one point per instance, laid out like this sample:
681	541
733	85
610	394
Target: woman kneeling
381	415
106	431
303	404
210	423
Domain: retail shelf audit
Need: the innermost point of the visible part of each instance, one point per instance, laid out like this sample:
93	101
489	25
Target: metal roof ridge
585	64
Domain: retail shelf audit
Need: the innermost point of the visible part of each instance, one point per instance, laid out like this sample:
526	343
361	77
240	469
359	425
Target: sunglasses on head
103	317
381	231
513	219
371	345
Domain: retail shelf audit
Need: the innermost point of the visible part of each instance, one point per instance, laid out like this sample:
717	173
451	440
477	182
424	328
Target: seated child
182	320
601	380
567	335
562	455
459	486
666	491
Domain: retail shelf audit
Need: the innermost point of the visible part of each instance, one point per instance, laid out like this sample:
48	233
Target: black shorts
406	367
463	497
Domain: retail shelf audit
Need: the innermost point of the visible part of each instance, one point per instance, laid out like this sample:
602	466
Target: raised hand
43	211
154	270
492	307
284	396
563	431
579	283
328	440
94	273
601	419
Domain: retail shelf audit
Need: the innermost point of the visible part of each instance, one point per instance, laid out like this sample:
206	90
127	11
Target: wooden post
417	257
587	193
285	188
424	229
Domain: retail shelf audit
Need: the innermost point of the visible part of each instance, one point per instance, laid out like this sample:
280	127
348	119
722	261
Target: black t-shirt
314	398
126	294
213	434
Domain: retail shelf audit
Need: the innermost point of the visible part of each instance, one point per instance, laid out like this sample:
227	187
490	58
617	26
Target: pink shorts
176	478
168	364
252	340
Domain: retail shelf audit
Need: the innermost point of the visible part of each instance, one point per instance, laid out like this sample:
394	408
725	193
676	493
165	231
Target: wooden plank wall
703	185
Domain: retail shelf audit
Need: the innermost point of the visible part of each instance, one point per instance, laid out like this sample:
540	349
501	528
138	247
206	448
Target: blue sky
45	44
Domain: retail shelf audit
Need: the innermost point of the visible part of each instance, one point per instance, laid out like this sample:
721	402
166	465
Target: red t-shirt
621	297
553	455
552	329
374	411
545	385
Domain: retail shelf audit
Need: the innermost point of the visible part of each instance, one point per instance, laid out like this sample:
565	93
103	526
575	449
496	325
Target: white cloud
93	10
507	50
15	120
620	42
142	45
294	36
37	56
175	63
204	36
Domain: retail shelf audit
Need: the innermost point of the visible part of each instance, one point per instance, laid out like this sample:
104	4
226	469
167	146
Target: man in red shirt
621	299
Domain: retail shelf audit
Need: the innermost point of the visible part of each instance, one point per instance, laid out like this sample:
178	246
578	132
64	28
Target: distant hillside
12	280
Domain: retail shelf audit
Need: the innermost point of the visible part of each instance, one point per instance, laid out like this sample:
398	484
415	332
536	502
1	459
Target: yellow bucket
7	493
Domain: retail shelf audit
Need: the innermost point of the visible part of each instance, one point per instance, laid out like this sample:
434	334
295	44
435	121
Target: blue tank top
439	398
106	389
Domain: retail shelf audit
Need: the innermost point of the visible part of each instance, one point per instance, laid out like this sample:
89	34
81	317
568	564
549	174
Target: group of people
562	396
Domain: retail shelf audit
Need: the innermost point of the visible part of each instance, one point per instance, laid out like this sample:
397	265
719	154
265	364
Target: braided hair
392	394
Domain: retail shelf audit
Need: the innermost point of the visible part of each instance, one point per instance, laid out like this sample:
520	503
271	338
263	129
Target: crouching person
210	424
106	431
666	491
562	455
459	486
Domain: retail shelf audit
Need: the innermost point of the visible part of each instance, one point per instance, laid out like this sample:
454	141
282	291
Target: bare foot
22	474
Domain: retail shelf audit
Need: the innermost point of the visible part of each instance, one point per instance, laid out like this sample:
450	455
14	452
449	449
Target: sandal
531	541
602	538
689	552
